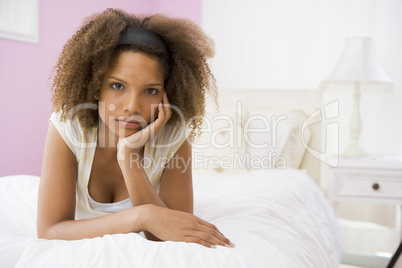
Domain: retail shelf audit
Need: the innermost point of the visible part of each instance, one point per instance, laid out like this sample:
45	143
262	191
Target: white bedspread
276	218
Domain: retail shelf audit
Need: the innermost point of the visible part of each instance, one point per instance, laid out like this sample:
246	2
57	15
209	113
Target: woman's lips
129	124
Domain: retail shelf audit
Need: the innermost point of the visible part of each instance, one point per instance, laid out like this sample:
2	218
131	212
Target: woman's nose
132	103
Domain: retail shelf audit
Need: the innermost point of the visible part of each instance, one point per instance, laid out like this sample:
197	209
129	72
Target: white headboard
306	100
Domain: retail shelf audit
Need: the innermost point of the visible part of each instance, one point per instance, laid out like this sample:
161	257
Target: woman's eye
151	91
116	86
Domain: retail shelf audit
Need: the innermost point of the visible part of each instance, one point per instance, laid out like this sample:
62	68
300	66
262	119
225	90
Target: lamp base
354	150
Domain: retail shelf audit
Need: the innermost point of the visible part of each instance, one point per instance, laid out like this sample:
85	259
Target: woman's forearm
126	221
138	185
168	224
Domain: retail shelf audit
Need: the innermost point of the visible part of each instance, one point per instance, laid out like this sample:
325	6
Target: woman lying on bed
117	158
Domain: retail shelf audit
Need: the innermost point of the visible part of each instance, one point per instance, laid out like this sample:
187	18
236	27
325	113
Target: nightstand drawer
368	186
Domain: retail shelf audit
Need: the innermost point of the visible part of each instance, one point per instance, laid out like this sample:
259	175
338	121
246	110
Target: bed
276	216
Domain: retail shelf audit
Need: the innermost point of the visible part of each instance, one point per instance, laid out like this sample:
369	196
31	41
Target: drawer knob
376	186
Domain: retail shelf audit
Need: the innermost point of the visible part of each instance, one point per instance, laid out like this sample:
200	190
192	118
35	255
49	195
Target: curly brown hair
93	49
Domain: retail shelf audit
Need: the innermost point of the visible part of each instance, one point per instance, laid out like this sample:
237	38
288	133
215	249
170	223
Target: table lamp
357	69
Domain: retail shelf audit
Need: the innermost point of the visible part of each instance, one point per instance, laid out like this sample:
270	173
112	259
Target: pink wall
181	8
24	70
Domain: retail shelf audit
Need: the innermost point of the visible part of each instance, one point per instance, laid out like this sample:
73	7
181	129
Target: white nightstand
366	180
369	179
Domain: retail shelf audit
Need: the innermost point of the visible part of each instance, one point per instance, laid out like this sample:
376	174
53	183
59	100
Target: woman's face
130	93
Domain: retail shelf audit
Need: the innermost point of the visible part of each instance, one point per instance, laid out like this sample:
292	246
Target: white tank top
110	207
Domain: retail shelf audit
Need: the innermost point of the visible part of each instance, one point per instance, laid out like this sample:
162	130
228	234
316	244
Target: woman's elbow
42	233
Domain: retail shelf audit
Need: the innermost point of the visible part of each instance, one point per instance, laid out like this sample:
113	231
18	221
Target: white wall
294	44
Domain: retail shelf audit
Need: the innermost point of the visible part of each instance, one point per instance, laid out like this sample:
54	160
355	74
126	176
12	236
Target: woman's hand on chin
134	143
173	225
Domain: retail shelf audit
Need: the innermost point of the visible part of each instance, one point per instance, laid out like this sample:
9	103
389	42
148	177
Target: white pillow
294	150
280	145
221	147
235	142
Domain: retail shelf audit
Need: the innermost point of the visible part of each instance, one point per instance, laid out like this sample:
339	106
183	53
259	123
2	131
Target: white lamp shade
358	63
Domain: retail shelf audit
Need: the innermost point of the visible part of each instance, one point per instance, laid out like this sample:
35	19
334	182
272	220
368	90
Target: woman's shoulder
168	140
72	132
65	124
